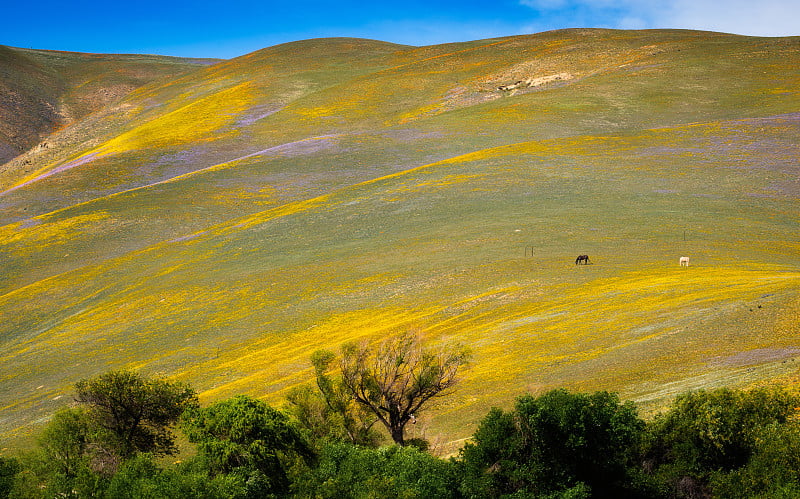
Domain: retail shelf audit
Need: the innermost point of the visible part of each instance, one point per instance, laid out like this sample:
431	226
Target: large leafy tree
557	443
773	469
708	434
397	380
135	413
246	437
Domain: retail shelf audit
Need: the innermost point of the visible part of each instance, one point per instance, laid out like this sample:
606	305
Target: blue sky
235	27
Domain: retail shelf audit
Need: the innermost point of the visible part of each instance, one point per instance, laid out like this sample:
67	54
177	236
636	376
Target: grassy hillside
221	226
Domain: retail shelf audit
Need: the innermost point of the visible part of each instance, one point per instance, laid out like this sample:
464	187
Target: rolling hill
220	222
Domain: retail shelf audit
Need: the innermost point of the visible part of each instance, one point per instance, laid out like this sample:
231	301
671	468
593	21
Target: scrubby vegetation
717	443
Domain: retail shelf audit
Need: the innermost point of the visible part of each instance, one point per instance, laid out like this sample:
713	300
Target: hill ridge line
438	56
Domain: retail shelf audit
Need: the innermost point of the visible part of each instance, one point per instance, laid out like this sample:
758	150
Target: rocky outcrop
535	82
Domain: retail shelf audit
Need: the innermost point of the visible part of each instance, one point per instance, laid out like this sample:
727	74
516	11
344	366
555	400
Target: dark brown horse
582	259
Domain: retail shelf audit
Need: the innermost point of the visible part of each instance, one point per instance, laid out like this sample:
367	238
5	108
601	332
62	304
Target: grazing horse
582	258
684	261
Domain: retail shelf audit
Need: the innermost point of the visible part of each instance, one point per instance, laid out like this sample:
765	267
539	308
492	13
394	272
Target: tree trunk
397	432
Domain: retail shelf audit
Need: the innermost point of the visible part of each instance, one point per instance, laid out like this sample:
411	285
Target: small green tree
398	380
66	442
329	412
248	438
68	462
134	412
120	413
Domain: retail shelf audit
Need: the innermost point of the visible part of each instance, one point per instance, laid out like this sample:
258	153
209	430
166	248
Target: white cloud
632	22
745	17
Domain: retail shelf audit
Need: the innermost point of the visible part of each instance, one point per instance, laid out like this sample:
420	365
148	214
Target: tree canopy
329	412
397	380
554	442
247	437
713	436
136	412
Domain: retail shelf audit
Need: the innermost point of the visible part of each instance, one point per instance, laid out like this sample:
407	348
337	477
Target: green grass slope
221	226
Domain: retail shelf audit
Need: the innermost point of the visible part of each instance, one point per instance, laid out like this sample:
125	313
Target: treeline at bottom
113	441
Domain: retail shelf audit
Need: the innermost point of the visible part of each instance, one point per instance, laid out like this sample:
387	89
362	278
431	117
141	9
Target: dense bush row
720	443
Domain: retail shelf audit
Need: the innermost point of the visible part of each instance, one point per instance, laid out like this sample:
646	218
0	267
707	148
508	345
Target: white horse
684	261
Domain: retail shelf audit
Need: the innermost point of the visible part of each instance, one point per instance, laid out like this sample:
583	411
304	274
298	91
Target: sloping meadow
349	214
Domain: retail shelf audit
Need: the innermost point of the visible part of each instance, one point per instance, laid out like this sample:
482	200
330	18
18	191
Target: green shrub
558	443
723	439
141	478
348	471
773	469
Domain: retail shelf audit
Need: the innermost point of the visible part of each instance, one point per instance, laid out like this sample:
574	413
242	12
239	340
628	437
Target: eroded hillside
43	91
